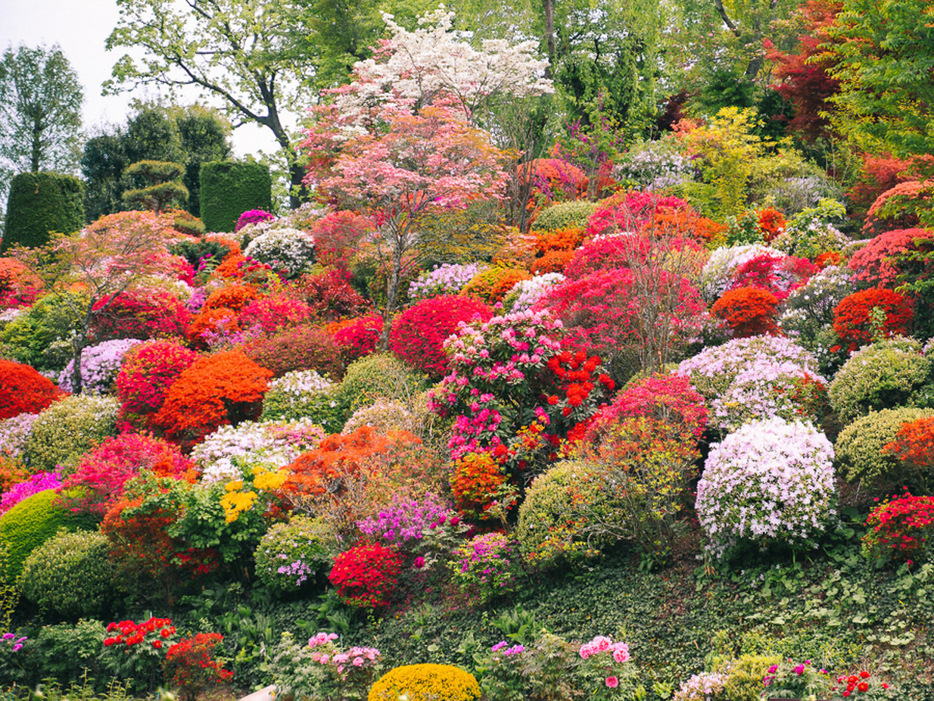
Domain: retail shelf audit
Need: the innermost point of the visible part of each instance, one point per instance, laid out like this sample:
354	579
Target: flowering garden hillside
666	435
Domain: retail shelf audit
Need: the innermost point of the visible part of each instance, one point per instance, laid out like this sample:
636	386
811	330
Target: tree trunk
77	347
392	295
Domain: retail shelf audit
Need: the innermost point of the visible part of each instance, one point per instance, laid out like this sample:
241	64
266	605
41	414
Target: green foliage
228	189
889	373
563	215
859	447
161	187
303	546
71	575
28	525
41	203
62	652
744	682
378	375
68	429
40	336
325	407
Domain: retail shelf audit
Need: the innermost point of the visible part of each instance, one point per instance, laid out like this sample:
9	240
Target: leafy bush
19	286
769	482
562	215
378	376
100	364
855	320
887	374
525	294
228	189
71	575
367	575
140	314
190	665
68	429
304	394
419	332
385	415
912	448
219	389
27	526
426	682
487	566
479	485
41	335
273	312
860	447
40	203
300	348
293	555
148	370
900	529
330	296
24	391
323	671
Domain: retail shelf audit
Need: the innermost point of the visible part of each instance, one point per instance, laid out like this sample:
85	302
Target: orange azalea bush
747	311
853	317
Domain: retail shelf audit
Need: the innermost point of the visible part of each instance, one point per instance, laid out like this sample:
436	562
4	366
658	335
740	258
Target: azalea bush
487	566
295	555
900	529
331	296
877	263
367	576
99	366
61	434
747	311
141	314
720	269
147	372
24	391
33	484
912	448
446	279
304	394
135	651
190	665
358	337
855	317
298	348
287	251
769	482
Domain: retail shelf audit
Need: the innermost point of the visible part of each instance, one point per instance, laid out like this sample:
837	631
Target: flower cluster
769	481
285	250
14	432
367	575
526	293
16	644
325	653
407	520
39	482
507	651
863	685
798	679
154	632
876	263
811	241
701	687
747	311
864	316
141	313
901	528
253	216
655	165
148	370
447	279
24	390
609	662
780	276
721	267
358	337
99	366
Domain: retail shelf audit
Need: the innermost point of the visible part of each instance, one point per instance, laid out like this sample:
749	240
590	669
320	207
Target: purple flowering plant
99	366
800	680
39	482
487	566
324	670
447	279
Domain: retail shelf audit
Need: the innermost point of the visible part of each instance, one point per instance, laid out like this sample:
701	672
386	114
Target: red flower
157	644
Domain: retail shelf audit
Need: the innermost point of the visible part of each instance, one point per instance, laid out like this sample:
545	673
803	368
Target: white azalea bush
526	293
769	482
447	279
290	250
723	263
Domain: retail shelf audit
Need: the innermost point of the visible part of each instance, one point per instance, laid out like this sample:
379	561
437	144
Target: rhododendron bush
148	370
865	316
876	262
367	575
141	314
747	311
24	391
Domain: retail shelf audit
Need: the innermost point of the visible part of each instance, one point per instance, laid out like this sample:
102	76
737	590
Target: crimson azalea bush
253	216
148	370
419	332
629	212
274	312
190	665
99	478
141	314
780	276
358	337
299	348
853	317
135	651
747	311
224	388
330	296
337	235
24	391
900	529
912	446
367	576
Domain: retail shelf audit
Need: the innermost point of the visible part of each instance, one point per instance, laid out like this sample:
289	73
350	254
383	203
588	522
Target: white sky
81	27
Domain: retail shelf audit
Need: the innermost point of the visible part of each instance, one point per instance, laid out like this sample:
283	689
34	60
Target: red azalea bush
418	332
627	251
274	312
914	446
298	348
367	575
190	665
224	388
99	478
853	322
137	650
670	399
19	286
337	237
900	529
873	263
630	211
330	296
24	391
893	208
747	311
233	296
141	314
771	223
780	276
154	632
358	337
147	372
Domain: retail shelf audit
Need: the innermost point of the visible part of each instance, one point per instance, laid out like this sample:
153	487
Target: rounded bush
492	284
384	415
287	250
859	446
357	338
40	335
148	371
853	316
67	430
292	555
71	575
300	348
34	484
140	314
564	215
99	366
304	394
447	279
555	512
747	311
418	333
426	682
887	374
28	525
367	575
378	376
24	391
769	482
487	566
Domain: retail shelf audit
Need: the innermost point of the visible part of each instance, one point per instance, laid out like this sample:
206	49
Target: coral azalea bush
24	391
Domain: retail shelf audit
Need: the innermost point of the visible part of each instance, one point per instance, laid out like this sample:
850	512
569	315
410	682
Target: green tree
205	137
239	51
162	186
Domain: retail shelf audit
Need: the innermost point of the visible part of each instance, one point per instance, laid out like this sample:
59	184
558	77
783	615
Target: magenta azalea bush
38	482
769	482
488	565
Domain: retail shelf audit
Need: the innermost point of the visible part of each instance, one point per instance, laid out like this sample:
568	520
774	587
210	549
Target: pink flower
612	682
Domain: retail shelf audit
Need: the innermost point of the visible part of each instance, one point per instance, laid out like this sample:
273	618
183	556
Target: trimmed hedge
228	189
40	203
28	525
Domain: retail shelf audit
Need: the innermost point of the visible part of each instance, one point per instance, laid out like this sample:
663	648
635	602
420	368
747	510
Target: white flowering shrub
655	165
14	432
447	279
526	293
384	415
290	250
99	366
305	395
701	687
723	263
769	482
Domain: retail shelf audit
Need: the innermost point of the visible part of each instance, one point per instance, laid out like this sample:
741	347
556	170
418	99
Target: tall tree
239	51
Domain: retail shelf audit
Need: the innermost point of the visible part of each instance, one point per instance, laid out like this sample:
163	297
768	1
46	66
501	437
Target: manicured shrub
219	389
141	314
228	189
419	332
71	575
293	556
377	376
101	474
148	371
24	391
358	337
13	434
887	374
900	529
426	682
100	364
525	294
562	215
769	482
747	311
39	203
854	319
556	513
860	447
68	429
367	575
303	394
27	526
302	348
